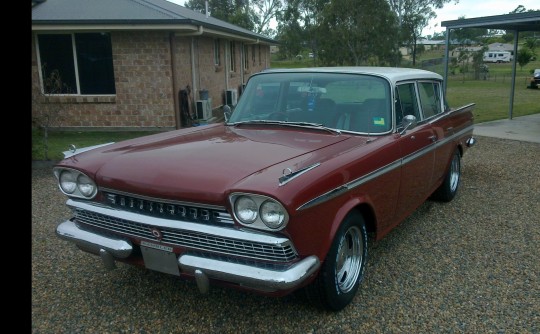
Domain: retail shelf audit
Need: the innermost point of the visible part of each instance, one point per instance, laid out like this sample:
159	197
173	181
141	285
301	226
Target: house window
260	58
246	57
217	53
233	57
253	54
83	61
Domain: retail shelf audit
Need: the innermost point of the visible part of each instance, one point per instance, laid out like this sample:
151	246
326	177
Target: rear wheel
344	266
448	189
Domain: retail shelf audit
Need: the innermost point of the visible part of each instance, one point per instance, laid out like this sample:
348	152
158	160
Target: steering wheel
278	116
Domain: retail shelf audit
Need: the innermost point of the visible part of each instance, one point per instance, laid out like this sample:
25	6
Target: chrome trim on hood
292	175
74	150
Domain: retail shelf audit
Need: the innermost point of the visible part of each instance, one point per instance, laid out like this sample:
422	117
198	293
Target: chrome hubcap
454	173
349	259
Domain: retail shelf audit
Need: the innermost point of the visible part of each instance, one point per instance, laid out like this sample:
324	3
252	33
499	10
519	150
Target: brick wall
144	75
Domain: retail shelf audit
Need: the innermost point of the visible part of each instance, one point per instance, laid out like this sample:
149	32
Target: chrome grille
189	239
168	210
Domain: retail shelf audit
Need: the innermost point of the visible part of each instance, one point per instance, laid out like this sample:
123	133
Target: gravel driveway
469	266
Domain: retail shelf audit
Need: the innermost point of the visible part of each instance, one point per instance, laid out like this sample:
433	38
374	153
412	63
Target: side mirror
226	112
409	122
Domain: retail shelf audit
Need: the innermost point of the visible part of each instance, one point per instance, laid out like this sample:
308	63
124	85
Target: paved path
524	128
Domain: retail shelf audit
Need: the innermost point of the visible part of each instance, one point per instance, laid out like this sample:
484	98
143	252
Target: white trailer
497	57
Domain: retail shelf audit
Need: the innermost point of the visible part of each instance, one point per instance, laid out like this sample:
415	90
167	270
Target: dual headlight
74	183
259	211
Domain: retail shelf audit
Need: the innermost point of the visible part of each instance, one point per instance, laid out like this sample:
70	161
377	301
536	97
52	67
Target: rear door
417	151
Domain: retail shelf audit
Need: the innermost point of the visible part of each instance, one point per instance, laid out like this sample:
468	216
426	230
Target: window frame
217	52
77	70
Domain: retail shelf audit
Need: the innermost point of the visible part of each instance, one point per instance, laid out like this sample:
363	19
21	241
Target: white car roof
393	74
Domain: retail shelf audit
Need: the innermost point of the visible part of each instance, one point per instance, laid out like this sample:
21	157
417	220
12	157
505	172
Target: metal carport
528	21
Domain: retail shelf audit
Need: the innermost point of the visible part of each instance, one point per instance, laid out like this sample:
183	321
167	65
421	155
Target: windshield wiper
300	124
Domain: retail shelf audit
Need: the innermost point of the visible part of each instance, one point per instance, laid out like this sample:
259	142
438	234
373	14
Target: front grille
190	239
168	210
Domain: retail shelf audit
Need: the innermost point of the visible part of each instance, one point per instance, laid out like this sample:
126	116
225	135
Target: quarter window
83	62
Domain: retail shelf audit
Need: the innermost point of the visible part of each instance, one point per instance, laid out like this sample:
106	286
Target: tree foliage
254	15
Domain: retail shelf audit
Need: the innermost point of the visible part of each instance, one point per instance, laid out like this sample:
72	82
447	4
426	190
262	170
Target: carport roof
527	21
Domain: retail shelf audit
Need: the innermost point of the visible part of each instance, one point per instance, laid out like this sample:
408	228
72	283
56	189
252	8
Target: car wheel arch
358	204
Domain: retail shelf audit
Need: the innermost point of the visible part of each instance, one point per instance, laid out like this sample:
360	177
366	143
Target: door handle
433	138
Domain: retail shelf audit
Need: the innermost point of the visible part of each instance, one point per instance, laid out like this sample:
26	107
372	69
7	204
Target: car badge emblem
156	233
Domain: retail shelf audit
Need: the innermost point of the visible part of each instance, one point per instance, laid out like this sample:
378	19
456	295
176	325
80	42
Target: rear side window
430	98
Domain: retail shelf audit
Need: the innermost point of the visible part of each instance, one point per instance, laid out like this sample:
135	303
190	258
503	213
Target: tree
524	56
46	111
357	33
413	16
254	15
297	24
267	10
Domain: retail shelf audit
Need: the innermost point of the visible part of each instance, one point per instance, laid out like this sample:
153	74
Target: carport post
511	107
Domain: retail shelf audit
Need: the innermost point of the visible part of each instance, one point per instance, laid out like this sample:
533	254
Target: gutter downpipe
513	88
199	32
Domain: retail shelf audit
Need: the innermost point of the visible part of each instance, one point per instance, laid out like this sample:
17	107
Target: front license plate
160	258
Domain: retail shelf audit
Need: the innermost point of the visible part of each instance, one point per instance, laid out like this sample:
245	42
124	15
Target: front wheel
448	189
344	266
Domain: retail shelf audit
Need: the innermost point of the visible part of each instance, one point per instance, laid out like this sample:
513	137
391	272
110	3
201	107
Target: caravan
497	57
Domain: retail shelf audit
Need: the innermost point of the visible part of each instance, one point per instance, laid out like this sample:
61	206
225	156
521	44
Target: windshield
348	102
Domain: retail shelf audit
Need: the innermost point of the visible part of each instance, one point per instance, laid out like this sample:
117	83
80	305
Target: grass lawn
492	99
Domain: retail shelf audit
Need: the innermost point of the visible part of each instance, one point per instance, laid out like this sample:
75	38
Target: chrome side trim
227	232
378	172
93	242
292	175
254	277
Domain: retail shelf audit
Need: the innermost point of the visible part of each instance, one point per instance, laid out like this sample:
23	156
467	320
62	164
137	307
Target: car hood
203	163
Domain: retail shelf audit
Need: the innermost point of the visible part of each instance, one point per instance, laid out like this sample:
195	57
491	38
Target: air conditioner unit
231	97
204	109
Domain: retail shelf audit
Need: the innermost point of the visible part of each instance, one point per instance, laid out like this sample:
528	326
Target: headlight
68	181
258	211
246	209
272	214
74	183
85	185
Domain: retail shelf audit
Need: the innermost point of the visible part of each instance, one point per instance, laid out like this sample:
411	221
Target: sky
465	8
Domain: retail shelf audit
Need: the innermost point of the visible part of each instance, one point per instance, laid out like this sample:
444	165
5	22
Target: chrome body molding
74	151
93	242
263	279
385	169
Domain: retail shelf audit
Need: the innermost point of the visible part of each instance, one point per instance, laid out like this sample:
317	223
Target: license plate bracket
159	258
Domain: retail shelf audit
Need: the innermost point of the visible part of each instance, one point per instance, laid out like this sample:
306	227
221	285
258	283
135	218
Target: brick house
129	64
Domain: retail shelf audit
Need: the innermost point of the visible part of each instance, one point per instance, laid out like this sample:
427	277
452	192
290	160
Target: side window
430	98
82	61
406	102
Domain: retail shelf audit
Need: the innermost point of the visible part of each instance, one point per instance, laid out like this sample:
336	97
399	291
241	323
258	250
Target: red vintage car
285	193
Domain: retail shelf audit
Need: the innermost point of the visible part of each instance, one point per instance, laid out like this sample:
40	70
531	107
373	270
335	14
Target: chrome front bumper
203	269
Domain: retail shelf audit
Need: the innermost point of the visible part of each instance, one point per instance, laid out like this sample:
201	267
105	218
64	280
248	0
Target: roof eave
179	26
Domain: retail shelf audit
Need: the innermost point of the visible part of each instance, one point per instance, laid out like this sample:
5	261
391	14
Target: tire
448	189
344	266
